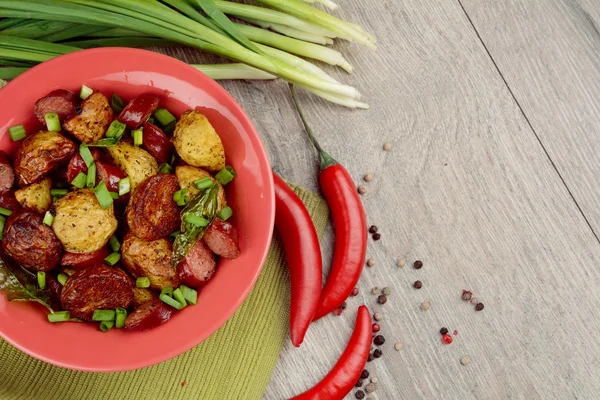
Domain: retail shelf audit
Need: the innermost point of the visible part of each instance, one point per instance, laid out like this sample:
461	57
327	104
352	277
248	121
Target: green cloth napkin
234	363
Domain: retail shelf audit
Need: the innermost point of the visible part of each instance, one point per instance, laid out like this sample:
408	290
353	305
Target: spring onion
59	316
80	180
225	175
327	3
62	278
48	218
180	197
90	181
86	154
58	192
178	295
168	291
138	137
41	278
163	116
165	169
170	301
5	211
106	326
190	295
142	282
114	195
52	122
173	235
114	244
290	32
120	317
113	258
103	315
116	103
85	92
225	213
2	222
203	183
124	186
103	196
17	132
115	130
196	220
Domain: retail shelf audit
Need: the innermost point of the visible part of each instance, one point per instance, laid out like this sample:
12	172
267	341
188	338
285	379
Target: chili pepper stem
325	159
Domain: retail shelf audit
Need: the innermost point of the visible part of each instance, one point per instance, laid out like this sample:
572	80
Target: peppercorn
359	383
474	301
343	306
370	387
373	229
359	394
398	346
338	311
375	290
376	236
418	284
447	339
354	292
465	360
387	291
362	189
370	358
387	146
479	307
376	327
455	333
368	177
443	331
377	353
378	316
374	379
365	374
379	340
466	295
401	263
382	299
425	305
418	264
370	262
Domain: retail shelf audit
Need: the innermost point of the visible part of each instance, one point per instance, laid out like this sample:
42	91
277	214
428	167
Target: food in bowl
112	220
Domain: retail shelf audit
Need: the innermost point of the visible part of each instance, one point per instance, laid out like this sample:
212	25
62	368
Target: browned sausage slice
222	238
40	154
95	117
152	213
198	266
139	110
81	261
31	243
152	259
7	175
60	101
96	288
149	315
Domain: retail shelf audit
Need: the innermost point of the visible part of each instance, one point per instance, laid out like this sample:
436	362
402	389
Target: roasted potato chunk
40	154
151	259
142	296
136	163
197	142
36	196
96	288
186	174
95	117
80	223
152	213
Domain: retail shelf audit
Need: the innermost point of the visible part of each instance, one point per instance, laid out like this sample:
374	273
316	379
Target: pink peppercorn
447	339
338	311
354	292
376	327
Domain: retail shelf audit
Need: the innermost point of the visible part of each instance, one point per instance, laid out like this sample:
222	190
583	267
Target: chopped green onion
2	222
103	315
178	295
225	175
106	326
17	132
58	192
164	117
165	169
114	195
142	282
124	186
121	315
48	218
225	213
168	290
114	244
170	301
5	211
180	197
62	278
41	278
59	316
116	103
86	154
115	130
103	196
91	176
190	295
113	258
151	120
106	142
196	220
169	127
203	183
52	122
80	180
85	92
138	137
173	235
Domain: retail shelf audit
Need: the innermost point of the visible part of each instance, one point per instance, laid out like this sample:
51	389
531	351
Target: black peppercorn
365	374
418	264
343	306
370	358
373	229
379	340
359	383
443	331
418	284
381	299
479	307
376	236
377	353
359	394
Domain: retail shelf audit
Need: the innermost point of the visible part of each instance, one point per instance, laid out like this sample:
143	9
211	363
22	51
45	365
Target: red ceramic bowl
129	72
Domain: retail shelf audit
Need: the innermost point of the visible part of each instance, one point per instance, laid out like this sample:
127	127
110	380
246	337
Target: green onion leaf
62	278
165	169
190	295
142	282
59	316
106	326
164	117
180	197
116	103
5	211
114	244
2	222
106	142
41	278
80	180
103	315
138	137
115	130
178	295
196	220
169	127
168	290
173	235
58	192
91	176
203	183
86	154
48	218
85	92
52	122
170	301
225	175
103	196
124	186
17	132
225	213
121	315
114	195
113	258
151	120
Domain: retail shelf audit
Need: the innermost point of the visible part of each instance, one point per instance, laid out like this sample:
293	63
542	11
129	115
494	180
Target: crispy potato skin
152	213
186	174
96	288
36	196
142	296
40	154
95	117
80	223
197	142
149	315
151	259
136	163
31	243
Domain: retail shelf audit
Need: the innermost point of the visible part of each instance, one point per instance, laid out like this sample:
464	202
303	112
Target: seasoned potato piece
150	259
142	295
40	154
80	223
36	196
95	117
197	142
136	163
186	174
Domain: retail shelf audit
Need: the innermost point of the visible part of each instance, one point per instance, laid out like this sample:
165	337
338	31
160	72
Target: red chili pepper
346	372
350	225
303	256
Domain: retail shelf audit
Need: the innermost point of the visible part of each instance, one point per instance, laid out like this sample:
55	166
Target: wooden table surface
493	181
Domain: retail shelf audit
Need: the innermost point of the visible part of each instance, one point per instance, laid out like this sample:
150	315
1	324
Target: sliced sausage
31	243
53	286
81	261
110	175
77	165
139	110
149	315
7	175
152	259
152	213
9	200
95	117
40	154
60	101
96	288
222	238
157	143
198	266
